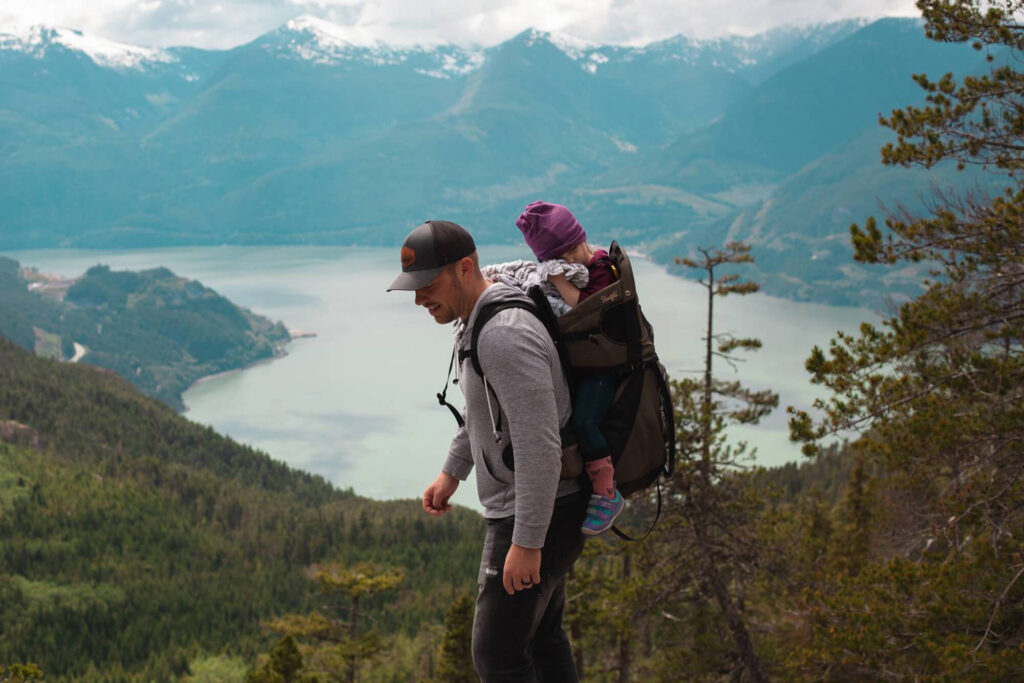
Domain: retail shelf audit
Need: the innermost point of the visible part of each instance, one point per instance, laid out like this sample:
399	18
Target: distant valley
305	136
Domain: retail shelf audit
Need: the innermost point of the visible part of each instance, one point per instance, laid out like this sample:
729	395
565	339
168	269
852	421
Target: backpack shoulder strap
541	308
482	318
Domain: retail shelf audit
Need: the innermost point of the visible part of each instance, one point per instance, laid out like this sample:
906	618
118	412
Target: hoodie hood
495	293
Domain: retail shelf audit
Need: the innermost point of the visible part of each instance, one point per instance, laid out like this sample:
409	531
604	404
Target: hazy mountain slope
541	116
80	85
313	134
803	111
296	136
72	109
800	232
283	97
761	56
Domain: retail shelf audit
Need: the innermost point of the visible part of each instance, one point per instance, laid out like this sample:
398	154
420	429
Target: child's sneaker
601	512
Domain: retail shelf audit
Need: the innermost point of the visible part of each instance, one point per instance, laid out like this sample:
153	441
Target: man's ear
464	268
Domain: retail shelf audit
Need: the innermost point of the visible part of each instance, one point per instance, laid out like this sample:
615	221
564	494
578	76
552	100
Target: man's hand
522	569
435	498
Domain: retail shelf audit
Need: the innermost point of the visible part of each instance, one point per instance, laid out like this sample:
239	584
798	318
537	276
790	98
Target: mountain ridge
36	40
115	54
269	145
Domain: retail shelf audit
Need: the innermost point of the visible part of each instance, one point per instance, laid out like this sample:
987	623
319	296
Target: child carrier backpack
606	331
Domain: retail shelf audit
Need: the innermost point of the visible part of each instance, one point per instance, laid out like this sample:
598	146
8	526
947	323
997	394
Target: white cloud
226	23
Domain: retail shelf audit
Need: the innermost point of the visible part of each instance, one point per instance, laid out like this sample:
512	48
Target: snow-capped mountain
191	130
588	54
316	132
319	42
759	56
38	41
753	57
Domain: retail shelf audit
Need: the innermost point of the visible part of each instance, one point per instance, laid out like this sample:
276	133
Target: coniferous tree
707	539
456	662
285	658
607	610
938	389
20	673
978	120
201	536
853	543
282	666
337	647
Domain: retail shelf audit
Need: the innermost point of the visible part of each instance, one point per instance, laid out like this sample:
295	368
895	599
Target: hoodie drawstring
490	411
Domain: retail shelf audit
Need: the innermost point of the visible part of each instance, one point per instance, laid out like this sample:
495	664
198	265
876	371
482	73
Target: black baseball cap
428	249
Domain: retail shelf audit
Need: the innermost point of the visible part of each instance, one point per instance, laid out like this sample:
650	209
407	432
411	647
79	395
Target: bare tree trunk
575	636
733	619
707	352
648	636
706	407
712	575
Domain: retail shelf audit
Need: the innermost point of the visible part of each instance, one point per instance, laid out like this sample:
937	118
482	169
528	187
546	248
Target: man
521	400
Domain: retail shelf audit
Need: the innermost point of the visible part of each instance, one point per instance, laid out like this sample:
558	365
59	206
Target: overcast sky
226	23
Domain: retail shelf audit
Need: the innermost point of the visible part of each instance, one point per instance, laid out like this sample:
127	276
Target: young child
551	231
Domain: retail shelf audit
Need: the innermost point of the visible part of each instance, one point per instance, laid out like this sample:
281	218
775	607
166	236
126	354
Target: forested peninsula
160	331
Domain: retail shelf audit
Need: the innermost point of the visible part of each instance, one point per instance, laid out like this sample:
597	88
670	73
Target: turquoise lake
356	403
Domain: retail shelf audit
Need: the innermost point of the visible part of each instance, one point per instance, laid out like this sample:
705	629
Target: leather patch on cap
408	257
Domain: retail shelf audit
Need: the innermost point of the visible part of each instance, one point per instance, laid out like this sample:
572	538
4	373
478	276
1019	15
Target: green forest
135	545
898	554
160	331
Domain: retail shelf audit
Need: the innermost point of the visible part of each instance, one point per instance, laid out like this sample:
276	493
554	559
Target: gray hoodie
522	368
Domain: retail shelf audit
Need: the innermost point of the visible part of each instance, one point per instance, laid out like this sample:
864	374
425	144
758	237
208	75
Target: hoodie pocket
496	468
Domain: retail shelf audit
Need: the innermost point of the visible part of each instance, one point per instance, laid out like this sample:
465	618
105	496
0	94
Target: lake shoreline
279	353
357	407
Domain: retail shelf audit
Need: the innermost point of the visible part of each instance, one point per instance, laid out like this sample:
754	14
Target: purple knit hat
550	230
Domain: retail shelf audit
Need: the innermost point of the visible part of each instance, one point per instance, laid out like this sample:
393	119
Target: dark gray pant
520	637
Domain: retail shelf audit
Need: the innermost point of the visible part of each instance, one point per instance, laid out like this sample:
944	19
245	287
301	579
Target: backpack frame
606	331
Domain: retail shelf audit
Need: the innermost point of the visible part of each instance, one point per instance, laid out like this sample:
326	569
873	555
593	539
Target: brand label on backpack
608	298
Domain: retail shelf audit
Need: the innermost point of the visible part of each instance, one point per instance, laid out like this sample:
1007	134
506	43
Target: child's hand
569	291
